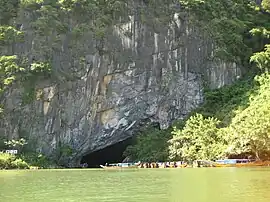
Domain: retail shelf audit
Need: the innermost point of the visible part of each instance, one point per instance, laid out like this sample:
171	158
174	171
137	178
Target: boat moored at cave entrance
194	164
120	165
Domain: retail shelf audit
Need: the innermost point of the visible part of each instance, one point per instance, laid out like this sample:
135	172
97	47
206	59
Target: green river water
138	185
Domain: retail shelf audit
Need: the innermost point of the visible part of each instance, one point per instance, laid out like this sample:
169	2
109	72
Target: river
147	185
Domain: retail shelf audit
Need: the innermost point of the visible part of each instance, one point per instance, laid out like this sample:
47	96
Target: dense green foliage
266	5
250	128
37	160
8	70
262	58
24	159
15	68
89	15
245	129
151	144
199	139
9	161
229	23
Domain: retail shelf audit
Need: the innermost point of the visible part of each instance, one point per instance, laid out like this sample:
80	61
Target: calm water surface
147	185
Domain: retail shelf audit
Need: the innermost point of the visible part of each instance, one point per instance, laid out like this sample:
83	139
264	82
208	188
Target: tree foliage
243	108
9	161
9	34
24	158
13	68
228	23
266	5
8	70
199	139
150	145
248	130
262	58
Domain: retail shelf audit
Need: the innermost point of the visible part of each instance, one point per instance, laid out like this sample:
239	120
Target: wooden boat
239	163
203	163
178	164
120	165
255	163
182	166
173	164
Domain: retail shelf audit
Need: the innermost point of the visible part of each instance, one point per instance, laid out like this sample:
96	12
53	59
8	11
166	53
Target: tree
262	58
199	139
250	129
266	5
150	145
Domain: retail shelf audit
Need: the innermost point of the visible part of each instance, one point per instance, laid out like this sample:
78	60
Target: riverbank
13	162
191	164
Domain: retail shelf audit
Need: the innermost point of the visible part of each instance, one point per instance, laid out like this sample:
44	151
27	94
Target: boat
120	165
173	164
203	163
239	163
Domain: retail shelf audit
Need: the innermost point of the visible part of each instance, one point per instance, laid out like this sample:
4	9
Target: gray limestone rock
98	99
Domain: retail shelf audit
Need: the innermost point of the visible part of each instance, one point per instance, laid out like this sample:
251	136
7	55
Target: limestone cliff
100	96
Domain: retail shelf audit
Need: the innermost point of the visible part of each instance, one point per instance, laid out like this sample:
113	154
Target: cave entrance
110	154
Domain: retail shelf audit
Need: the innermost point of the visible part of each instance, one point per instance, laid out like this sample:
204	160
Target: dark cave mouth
110	154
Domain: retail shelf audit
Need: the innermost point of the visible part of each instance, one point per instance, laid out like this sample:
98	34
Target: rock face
98	99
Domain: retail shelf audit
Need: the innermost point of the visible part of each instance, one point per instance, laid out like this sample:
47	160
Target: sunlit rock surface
98	99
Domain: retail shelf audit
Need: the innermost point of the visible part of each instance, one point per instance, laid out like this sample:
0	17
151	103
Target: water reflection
149	185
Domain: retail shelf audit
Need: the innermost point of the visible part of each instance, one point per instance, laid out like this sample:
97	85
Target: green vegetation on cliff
14	68
49	18
25	159
229	23
234	120
150	144
242	128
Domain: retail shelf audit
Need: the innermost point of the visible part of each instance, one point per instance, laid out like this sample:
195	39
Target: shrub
9	161
5	160
199	139
35	159
150	145
19	163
